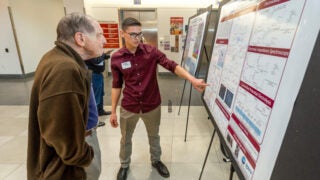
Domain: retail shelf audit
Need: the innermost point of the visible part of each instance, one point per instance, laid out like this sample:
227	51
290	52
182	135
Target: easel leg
226	157
184	86
185	135
231	172
205	160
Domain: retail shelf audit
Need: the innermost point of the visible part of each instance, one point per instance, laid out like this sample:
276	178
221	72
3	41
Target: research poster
193	46
252	47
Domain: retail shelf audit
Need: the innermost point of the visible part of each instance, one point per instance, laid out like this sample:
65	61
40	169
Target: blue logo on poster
243	160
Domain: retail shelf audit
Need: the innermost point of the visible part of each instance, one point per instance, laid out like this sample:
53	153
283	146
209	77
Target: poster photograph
176	25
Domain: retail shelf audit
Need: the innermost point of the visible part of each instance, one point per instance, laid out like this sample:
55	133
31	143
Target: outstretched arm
198	84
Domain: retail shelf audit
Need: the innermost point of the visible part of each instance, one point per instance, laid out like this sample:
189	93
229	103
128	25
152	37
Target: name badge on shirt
126	65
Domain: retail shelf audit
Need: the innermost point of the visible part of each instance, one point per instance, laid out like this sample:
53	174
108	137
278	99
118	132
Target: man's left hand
199	84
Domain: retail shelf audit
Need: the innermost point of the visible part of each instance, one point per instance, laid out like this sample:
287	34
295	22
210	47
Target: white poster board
261	52
194	42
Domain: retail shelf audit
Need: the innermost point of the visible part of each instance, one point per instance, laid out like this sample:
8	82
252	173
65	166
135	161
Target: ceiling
152	3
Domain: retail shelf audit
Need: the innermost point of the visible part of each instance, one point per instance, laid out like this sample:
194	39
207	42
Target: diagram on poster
251	50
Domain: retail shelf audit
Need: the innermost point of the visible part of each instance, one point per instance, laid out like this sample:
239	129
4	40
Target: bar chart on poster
255	75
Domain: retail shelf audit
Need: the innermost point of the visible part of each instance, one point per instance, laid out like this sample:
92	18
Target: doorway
148	19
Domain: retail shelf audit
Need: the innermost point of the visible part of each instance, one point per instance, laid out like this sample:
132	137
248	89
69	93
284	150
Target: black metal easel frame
185	81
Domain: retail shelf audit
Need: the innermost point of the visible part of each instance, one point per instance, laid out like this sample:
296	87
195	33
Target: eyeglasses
135	35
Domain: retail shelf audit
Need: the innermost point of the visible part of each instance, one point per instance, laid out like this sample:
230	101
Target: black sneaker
122	173
101	123
104	113
162	169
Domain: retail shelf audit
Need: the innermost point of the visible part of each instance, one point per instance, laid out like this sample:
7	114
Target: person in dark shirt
135	65
97	65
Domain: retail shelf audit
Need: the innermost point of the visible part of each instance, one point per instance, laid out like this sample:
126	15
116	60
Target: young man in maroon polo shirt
135	65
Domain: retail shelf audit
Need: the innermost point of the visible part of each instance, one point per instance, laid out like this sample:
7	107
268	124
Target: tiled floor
184	159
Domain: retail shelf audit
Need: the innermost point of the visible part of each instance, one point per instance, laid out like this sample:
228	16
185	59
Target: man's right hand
113	120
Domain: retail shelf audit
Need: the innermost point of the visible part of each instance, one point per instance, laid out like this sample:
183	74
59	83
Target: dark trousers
98	89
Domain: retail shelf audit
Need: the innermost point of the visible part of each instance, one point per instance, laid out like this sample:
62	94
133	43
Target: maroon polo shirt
139	74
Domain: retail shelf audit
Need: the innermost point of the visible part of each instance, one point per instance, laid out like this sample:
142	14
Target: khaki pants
94	169
128	121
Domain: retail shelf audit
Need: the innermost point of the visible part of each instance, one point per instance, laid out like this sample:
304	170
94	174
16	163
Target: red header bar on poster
246	132
225	112
240	13
243	149
279	52
262	97
269	3
222	41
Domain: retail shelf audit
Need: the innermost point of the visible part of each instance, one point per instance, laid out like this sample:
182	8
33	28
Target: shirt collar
141	48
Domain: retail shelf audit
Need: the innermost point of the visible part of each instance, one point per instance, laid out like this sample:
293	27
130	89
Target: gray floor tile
184	159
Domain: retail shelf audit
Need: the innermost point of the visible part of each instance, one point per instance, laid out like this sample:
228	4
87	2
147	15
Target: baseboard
16	76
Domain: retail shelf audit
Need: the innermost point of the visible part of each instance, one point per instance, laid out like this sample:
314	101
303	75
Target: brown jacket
58	116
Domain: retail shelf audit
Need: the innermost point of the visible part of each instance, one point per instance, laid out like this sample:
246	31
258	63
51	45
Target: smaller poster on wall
176	25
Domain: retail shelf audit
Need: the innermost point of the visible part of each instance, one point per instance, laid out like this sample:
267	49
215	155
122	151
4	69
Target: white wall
109	14
73	6
103	13
107	10
35	22
153	3
9	62
164	15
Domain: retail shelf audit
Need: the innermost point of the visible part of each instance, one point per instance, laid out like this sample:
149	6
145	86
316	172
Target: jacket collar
74	55
70	52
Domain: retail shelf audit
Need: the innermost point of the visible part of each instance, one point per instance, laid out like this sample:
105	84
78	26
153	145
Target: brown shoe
162	169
